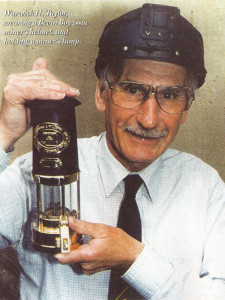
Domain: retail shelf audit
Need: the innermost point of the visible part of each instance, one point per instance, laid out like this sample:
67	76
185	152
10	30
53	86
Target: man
149	64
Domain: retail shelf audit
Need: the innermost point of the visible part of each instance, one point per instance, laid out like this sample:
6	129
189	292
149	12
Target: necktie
129	220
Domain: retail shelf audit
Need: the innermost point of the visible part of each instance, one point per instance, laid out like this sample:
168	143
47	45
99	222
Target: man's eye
169	94
132	88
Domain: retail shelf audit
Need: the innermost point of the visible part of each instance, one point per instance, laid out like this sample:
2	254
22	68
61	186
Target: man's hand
19	88
110	247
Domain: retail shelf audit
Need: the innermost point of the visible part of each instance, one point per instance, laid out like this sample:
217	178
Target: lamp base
52	234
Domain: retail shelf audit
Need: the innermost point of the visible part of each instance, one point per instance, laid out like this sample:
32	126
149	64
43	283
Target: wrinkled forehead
153	72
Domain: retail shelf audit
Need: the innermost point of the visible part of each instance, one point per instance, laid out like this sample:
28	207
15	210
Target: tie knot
132	184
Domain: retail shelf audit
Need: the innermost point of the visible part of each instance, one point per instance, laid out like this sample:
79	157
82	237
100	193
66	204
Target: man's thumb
40	63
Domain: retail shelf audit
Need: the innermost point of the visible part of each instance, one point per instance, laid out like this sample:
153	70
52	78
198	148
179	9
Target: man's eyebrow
148	84
131	80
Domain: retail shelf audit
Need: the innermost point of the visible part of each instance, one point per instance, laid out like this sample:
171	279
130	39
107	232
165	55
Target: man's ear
184	117
100	97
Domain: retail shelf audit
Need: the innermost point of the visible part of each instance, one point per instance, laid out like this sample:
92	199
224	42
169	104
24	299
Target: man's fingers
40	63
81	254
30	93
39	84
93	230
32	88
92	270
109	247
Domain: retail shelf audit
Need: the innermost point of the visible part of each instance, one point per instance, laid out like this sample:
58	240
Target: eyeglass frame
153	91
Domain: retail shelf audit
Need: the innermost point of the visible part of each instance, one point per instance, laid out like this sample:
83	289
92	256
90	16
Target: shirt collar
113	172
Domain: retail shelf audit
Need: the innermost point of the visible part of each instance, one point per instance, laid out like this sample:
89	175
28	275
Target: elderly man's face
124	126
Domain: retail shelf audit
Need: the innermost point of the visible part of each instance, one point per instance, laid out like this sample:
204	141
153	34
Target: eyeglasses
171	99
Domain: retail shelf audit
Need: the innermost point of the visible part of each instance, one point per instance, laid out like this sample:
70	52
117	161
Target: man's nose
148	112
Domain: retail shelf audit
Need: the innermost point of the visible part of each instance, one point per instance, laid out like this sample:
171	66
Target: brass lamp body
55	170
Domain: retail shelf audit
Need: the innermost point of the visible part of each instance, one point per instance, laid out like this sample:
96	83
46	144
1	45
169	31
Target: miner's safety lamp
56	173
